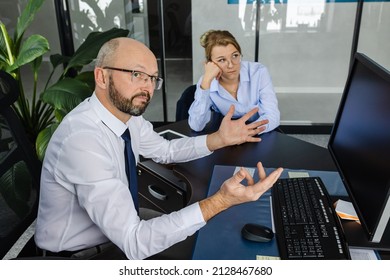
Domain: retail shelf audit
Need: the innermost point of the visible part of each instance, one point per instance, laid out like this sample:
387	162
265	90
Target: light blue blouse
255	90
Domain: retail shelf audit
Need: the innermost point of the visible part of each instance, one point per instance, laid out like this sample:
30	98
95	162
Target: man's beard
125	105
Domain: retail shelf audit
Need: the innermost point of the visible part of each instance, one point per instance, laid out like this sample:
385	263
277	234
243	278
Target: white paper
346	210
250	170
362	254
292	174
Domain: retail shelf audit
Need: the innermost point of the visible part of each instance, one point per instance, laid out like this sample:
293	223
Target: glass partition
173	20
144	21
307	46
374	36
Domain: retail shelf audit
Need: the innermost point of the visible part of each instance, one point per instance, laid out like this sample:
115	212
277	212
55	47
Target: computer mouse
257	233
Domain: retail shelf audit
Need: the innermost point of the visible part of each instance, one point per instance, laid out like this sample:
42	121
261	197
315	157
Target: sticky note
250	170
298	174
260	257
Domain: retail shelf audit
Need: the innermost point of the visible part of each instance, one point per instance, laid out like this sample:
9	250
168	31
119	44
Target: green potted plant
15	52
68	92
42	112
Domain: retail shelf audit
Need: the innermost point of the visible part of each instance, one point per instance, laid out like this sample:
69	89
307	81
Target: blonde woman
229	80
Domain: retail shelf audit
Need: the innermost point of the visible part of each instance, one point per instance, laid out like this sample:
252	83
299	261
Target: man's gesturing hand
235	132
233	192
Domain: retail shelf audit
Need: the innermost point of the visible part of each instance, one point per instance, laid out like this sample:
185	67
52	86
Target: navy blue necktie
131	169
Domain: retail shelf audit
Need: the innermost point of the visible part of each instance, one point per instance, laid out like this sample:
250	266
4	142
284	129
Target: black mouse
257	233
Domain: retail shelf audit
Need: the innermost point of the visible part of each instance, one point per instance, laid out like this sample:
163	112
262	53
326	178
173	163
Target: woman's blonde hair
213	38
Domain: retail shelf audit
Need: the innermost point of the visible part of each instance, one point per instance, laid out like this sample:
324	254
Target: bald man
86	207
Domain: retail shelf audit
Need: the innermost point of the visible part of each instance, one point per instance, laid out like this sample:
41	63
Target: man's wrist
212	206
215	141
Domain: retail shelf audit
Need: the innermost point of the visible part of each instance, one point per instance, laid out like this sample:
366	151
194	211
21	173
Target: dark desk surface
275	150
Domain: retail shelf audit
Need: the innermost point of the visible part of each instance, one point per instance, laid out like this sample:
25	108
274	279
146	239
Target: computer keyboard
306	225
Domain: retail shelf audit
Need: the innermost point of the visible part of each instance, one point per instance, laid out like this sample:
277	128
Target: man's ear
100	78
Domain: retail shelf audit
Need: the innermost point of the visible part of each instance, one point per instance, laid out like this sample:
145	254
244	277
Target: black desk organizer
161	188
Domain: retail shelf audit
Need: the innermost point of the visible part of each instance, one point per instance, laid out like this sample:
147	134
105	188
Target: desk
275	150
221	238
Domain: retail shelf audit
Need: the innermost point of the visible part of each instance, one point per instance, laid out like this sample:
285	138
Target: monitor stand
356	237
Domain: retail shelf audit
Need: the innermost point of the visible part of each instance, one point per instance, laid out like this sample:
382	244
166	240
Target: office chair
184	103
19	173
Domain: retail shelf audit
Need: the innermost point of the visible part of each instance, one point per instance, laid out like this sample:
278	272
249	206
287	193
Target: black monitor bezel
383	73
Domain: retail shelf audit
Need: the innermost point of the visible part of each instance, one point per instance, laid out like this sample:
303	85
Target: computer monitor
360	146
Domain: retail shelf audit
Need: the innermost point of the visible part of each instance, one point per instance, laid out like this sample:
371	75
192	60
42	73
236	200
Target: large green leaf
36	65
43	140
91	46
60	114
3	46
3	65
15	187
87	77
57	59
6	46
66	94
26	17
35	46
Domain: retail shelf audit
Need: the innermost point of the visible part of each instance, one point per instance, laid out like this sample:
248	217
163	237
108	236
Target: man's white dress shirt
85	198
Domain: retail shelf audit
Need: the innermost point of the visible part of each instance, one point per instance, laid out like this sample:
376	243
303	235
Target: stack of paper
346	211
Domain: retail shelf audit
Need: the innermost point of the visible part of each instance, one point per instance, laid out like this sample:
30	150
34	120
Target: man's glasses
140	77
235	59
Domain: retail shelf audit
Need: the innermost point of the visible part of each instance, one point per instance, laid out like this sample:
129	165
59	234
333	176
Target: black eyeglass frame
158	81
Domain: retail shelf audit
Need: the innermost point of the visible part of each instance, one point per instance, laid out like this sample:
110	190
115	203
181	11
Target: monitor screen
360	143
